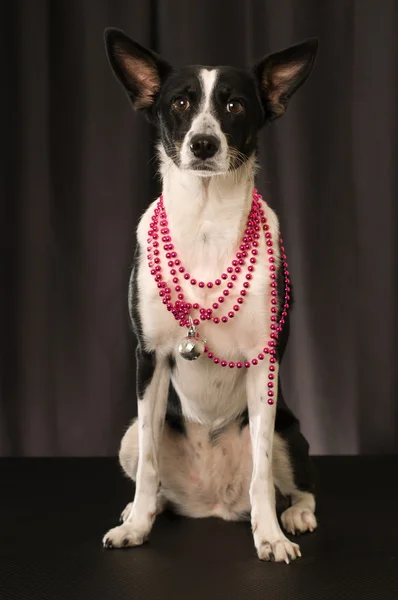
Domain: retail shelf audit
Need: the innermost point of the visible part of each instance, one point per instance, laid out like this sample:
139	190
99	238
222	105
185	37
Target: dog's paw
126	512
281	550
124	536
296	520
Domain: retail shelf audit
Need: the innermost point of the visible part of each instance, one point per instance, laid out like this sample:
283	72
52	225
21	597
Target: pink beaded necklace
192	346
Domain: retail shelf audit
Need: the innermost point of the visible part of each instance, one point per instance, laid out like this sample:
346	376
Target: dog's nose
204	146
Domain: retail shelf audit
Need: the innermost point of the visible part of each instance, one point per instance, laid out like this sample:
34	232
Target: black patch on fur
174	416
288	427
135	318
243	419
172	362
146	363
214	435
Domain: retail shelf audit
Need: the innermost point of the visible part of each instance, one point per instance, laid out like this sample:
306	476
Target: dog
213	436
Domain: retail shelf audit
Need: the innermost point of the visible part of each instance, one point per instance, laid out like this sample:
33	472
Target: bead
270	401
261	356
195	306
215	305
216	320
218	282
210	285
223	363
226	292
240	300
231	314
196	322
216	360
210	354
201	284
231	364
230	285
224	276
224	319
239	365
236	307
247	364
187	276
221	299
193	282
254	361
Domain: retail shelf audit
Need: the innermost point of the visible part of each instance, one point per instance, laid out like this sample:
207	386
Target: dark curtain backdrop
77	173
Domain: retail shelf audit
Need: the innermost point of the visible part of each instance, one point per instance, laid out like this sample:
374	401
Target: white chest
206	241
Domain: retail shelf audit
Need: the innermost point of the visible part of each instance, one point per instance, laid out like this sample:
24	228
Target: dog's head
208	117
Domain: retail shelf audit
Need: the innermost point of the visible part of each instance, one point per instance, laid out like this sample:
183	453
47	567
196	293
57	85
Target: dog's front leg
270	542
153	375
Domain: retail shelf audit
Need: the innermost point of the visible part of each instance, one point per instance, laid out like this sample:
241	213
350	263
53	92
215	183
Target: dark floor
55	511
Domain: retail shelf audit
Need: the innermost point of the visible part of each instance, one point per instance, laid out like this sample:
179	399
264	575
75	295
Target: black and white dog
207	442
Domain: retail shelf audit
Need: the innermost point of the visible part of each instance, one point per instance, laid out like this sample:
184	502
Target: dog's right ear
140	71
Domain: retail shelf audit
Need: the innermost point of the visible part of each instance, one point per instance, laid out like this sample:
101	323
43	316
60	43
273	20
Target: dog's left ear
280	74
140	71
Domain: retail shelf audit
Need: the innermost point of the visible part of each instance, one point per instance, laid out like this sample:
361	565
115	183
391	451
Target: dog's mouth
208	168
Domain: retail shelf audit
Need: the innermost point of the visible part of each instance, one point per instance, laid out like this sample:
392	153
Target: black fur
174	416
145	361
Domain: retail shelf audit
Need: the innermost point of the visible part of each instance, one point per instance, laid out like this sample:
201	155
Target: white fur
207	473
206	124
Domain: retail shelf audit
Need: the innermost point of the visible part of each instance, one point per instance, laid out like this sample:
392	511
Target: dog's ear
140	71
280	74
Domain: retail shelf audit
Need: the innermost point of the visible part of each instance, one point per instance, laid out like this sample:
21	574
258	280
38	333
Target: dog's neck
196	197
207	215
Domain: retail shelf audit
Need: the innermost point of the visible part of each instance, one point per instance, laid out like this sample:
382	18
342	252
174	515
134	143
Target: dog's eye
235	107
181	104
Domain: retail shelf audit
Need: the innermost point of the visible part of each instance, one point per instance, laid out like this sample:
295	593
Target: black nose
204	146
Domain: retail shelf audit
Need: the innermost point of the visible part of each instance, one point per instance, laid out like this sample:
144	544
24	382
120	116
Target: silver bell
192	346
